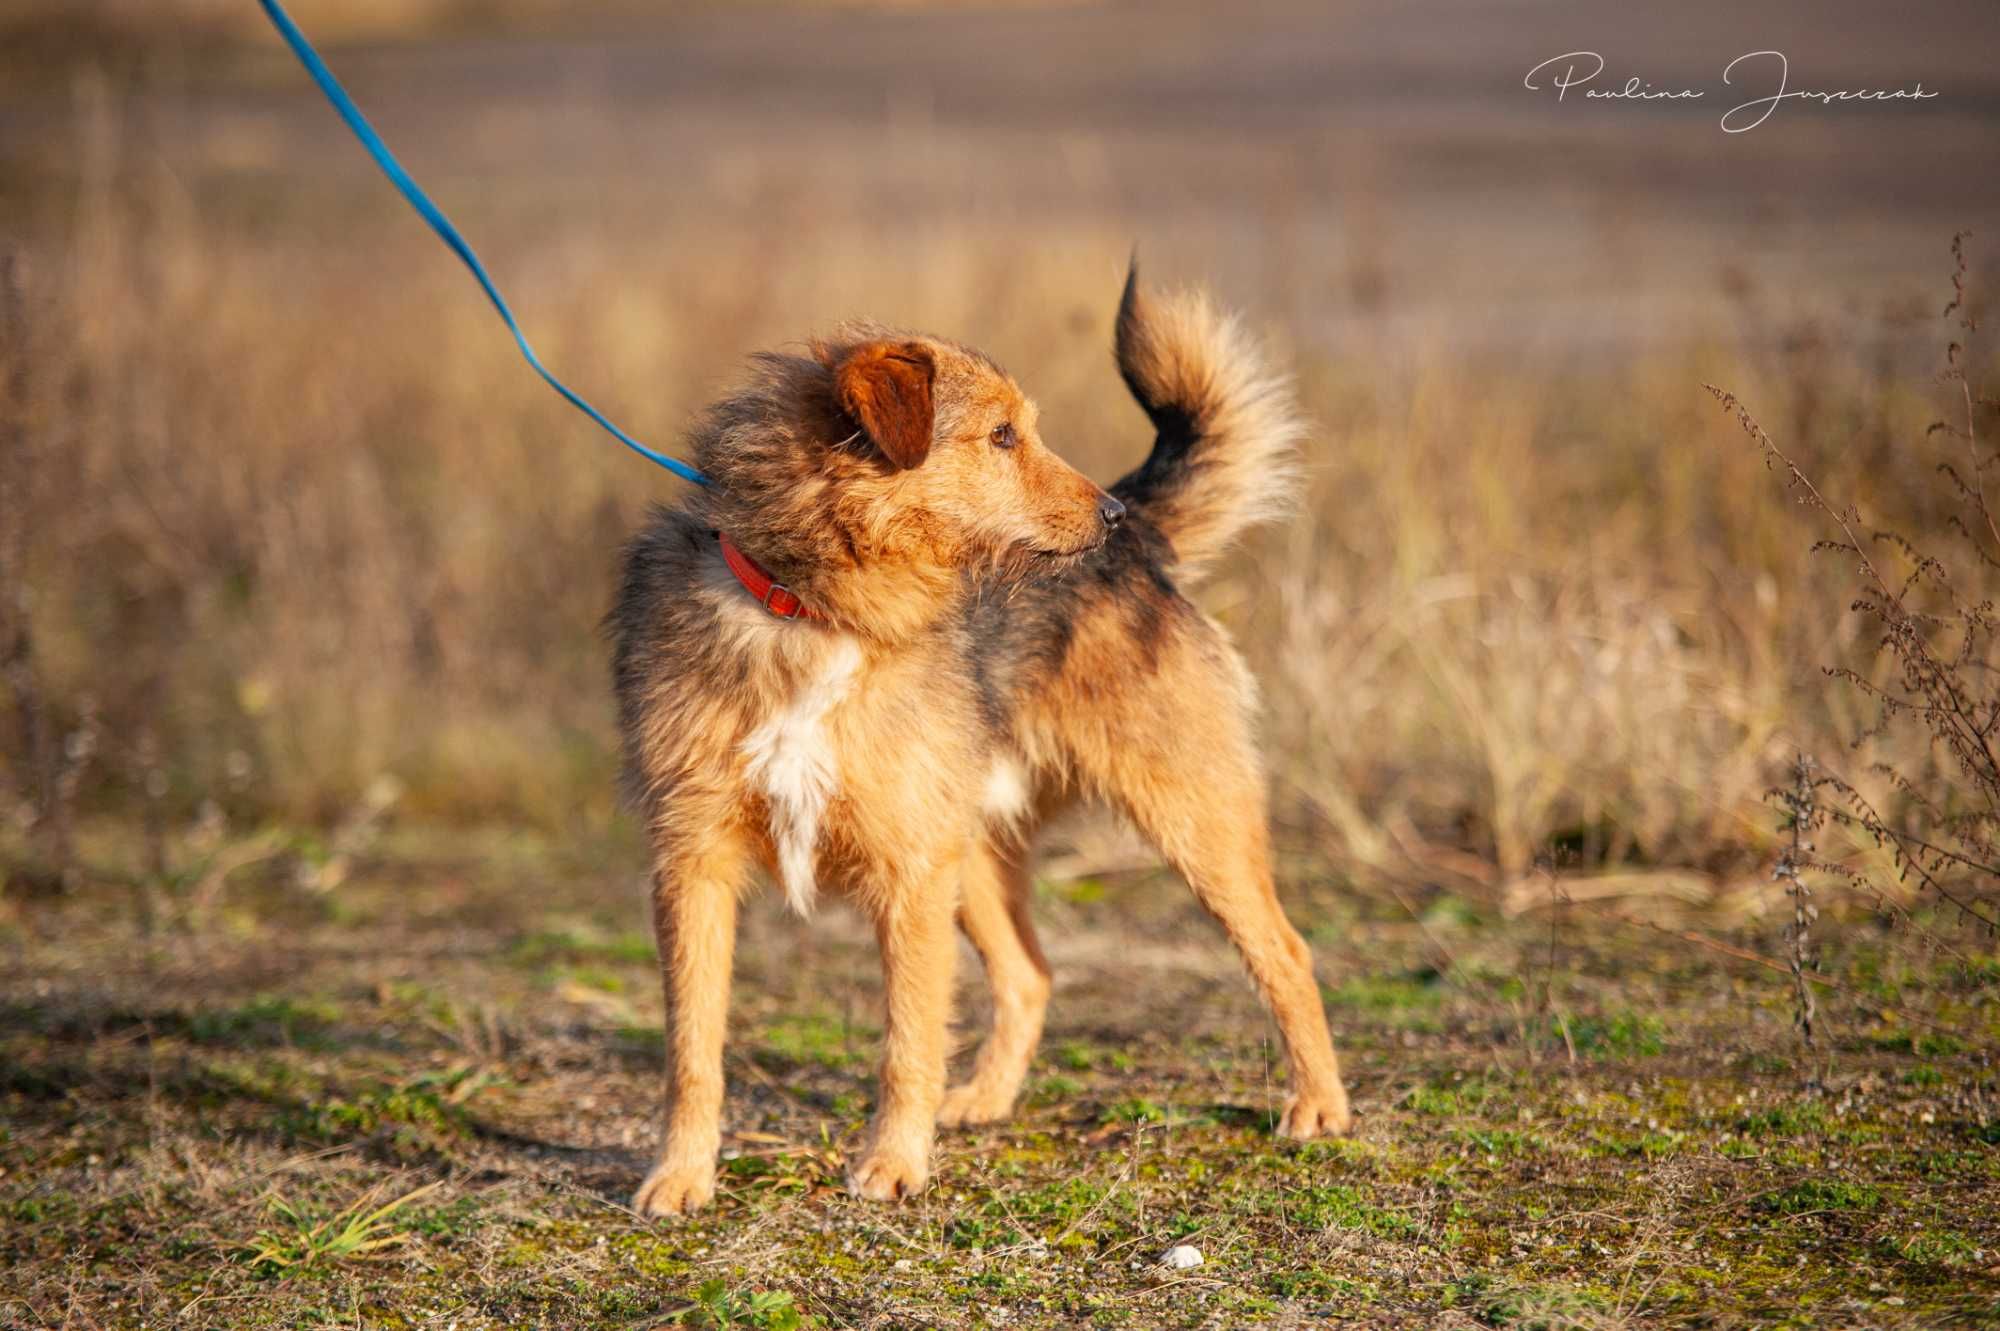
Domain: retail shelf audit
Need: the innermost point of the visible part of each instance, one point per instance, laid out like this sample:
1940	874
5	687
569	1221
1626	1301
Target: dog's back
1223	459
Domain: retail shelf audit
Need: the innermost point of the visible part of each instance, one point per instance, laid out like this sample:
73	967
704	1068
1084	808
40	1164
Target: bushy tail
1225	455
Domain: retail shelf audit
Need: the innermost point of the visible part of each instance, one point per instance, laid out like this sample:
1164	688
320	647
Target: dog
896	633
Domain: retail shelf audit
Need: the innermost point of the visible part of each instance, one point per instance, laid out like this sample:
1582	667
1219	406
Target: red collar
773	595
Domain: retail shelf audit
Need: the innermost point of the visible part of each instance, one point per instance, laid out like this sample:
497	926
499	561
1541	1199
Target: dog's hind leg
1172	748
694	921
993	912
1212	830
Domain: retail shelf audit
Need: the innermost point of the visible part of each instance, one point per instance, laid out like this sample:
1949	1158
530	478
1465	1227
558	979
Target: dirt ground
316	570
1564	1122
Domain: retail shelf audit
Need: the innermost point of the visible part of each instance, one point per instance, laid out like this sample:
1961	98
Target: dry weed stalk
1937	633
1801	818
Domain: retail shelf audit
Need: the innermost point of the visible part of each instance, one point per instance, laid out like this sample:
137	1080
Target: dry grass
299	529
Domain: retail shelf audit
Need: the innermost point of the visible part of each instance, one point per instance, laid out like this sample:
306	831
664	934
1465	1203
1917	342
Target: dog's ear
886	388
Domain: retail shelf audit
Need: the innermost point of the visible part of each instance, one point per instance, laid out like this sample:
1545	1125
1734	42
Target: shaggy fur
1000	638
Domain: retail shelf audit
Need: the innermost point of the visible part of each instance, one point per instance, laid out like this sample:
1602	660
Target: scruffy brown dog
896	634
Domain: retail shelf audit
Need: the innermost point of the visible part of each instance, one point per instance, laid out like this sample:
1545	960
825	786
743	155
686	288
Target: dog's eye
1003	435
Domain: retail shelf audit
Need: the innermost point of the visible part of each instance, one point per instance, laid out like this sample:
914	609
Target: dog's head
963	463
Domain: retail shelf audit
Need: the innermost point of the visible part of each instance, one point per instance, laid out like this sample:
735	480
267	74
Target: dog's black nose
1111	511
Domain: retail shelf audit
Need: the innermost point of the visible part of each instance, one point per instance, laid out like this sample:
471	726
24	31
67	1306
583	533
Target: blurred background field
307	758
295	526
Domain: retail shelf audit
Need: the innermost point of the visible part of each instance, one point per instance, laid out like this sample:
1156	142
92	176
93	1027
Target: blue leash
441	224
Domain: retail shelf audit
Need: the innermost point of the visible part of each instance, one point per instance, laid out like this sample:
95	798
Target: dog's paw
972	1103
1316	1114
675	1190
885	1177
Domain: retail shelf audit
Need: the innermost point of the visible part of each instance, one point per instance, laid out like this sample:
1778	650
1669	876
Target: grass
171	1154
300	1244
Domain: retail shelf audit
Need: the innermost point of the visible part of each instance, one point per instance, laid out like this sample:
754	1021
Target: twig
1802	814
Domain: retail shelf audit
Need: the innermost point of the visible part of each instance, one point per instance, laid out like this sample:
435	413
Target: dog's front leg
993	912
694	923
913	924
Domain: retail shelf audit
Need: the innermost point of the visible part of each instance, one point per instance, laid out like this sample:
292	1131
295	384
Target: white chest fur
1007	796
791	761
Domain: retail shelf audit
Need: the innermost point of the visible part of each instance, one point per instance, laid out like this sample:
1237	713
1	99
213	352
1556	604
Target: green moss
590	977
1527	1306
1342	1149
1950	1166
1068	1213
456	1219
1937	1248
420	999
421	1114
1076	891
1077	1056
817	1038
1339	1206
1802	1118
978	1232
272	1018
38	1208
1616	1035
1389	993
1449	1100
1647	1145
1822	1195
1052	1090
1135	1110
1924	1044
541	949
1499	1142
1971	974
1316	1284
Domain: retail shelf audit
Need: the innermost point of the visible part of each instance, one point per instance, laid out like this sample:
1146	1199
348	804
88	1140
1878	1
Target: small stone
1181	1257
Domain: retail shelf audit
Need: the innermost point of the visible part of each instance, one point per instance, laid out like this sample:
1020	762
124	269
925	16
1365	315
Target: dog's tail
1225	454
